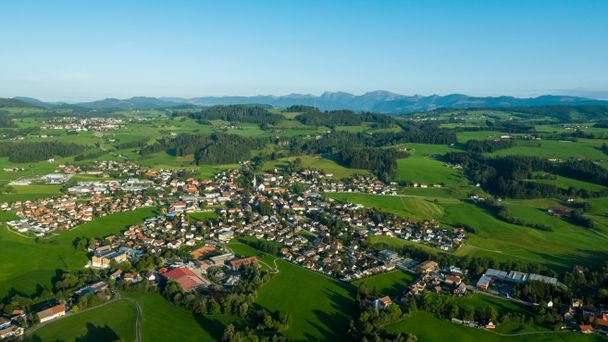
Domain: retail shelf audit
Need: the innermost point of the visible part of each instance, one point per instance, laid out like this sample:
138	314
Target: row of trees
483	146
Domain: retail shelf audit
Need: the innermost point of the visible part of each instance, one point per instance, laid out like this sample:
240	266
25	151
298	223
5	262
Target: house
4	323
116	274
185	278
235	264
461	289
428	266
382	303
601	321
226	235
484	282
51	313
388	255
452	279
10	331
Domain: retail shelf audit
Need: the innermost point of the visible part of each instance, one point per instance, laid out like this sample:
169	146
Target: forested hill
375	101
564	113
14	103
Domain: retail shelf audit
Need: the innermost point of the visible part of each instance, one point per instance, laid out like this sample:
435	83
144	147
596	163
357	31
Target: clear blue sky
60	50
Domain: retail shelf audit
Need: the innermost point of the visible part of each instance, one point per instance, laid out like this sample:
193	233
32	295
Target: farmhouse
51	313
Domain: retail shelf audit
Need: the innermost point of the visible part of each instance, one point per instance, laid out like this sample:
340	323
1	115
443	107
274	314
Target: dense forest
31	152
6	121
237	113
381	161
337	118
484	146
213	149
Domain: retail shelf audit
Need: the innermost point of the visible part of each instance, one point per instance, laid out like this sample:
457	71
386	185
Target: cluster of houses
45	215
77	124
9	328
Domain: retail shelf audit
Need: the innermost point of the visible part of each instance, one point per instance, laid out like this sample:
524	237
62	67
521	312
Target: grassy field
429	328
320	306
323	164
393	283
111	322
29	265
563	247
565	183
582	148
163	321
425	170
415	207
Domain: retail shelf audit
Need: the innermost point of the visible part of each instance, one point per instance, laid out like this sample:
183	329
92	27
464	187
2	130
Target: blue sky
60	50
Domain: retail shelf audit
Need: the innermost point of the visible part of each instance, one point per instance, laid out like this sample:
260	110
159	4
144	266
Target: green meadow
164	321
393	284
426	326
110	322
321	307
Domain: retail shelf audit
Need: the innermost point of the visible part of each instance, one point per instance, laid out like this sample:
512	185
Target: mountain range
376	101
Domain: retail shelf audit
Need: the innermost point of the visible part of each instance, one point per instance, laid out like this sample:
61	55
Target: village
288	212
75	124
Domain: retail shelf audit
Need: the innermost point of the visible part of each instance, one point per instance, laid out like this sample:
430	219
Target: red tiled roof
184	277
51	311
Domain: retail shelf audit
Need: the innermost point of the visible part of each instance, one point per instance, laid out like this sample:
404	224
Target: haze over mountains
375	101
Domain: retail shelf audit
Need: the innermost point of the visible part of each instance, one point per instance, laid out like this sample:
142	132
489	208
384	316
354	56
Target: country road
137	319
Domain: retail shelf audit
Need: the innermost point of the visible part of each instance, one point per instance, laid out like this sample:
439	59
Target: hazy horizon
592	95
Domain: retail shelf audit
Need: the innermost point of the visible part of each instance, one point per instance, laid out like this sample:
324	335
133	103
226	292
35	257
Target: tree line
237	113
508	176
25	152
487	146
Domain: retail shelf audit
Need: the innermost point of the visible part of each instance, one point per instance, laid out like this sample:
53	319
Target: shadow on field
579	256
336	323
97	333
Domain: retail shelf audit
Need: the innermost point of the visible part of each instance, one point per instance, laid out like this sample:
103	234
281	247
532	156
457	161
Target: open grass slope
408	206
111	322
393	283
321	307
563	247
318	163
164	321
429	328
28	265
